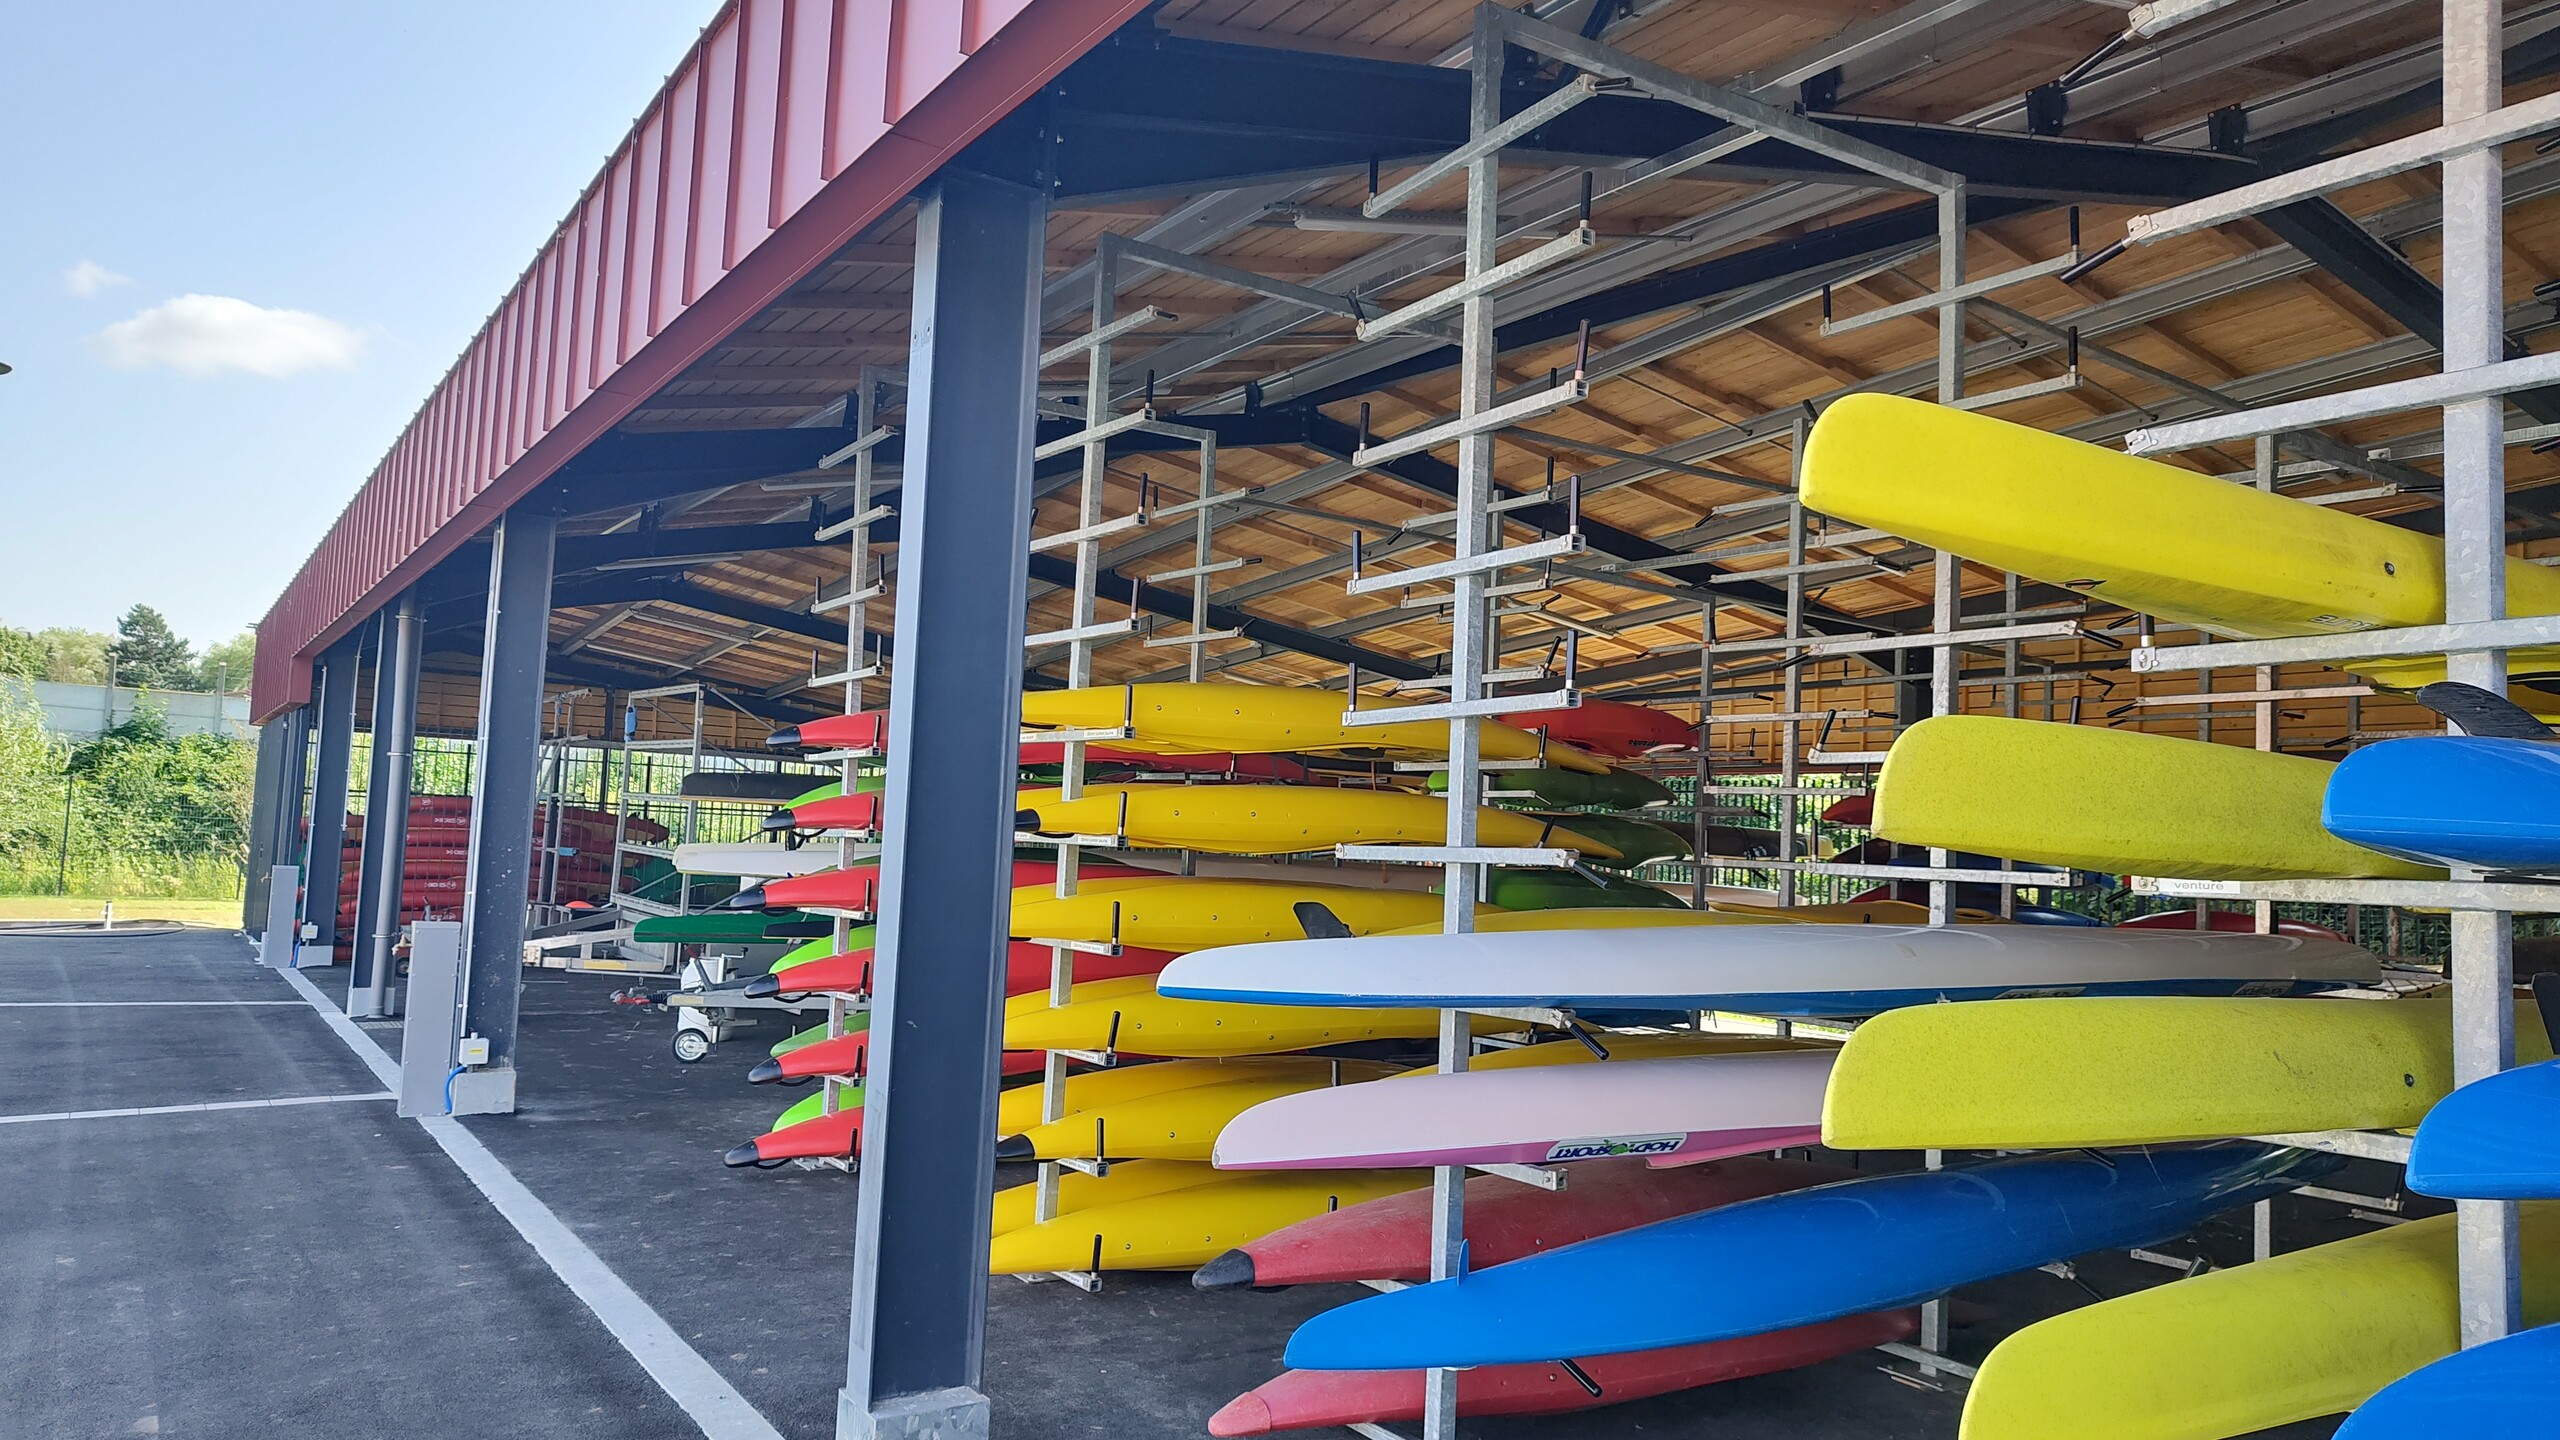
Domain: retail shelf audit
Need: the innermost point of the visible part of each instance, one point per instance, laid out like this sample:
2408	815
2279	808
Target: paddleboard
2505	1390
2493	1139
1172	1124
2451	800
1181	1229
1308	1399
756	862
1876	1243
1762	970
1217	716
2049	1074
1390	1239
2305	1334
2117	801
1698	1107
2141	535
1278	819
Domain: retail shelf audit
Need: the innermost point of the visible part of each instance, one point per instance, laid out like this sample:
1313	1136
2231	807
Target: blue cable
448	1086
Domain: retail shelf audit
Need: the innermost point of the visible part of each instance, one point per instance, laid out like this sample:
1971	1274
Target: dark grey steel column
324	853
264	787
386	821
955	710
514	649
368	870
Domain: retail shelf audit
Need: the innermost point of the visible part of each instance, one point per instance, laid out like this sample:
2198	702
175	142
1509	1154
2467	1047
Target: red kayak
858	812
828	1137
844	1055
1310	1399
1858	811
868	730
2229	921
1611	727
857	887
1026	969
1390	1238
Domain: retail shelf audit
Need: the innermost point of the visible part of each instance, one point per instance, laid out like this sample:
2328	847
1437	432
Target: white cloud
211	334
89	277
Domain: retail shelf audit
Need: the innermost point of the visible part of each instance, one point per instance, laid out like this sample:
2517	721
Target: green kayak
717	927
1565	890
1615	790
1637	842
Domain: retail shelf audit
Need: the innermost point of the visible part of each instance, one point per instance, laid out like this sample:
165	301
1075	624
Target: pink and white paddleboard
1687	1108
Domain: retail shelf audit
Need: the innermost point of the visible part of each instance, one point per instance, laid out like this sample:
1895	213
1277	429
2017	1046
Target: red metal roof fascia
792	126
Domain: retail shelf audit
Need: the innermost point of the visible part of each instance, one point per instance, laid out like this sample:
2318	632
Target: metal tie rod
1064	538
1930	303
2514	122
858	447
1582	88
2520	632
1551	548
1095	434
851	523
1104	336
2452	387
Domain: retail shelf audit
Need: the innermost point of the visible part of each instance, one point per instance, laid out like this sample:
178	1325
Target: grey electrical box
431	1032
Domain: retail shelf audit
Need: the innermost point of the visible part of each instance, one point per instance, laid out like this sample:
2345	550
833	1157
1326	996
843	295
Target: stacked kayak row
435	858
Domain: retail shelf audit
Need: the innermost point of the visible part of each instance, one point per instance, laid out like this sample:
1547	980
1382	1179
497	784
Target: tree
147	654
22	655
226	665
74	657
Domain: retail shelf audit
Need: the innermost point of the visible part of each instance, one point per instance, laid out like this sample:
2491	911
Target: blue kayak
2505	1390
1844	1249
2493	1139
2451	800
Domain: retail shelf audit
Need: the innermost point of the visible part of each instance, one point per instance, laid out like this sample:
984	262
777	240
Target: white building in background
84	712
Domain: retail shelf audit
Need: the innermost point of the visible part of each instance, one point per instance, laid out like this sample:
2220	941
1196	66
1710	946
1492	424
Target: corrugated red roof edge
791	126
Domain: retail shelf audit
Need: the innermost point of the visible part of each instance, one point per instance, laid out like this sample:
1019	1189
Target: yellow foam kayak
2119	1070
1018	1108
1130	1014
2115	800
2307	1334
1214	717
2140	534
1016	1205
1177	913
1278	819
1185	1228
1174	1124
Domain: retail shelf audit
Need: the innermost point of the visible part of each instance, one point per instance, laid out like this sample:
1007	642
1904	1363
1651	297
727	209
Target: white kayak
1684	1109
1763	969
752	861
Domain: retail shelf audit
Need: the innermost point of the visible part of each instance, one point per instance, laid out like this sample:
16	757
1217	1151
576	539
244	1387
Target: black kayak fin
2482	713
1319	922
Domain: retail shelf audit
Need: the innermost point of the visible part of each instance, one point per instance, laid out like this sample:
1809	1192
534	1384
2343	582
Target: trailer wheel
692	1045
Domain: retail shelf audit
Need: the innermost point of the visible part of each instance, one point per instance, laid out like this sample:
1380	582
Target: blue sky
245	240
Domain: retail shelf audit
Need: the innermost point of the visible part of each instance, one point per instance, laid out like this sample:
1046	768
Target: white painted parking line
687	1378
131	1004
195	1109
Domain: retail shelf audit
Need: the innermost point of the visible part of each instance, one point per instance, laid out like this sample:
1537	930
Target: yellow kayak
2115	800
1177	913
1185	1228
1218	718
2312	1333
1174	1124
1129	1014
2058	1073
1018	1108
1016	1205
1278	819
2139	534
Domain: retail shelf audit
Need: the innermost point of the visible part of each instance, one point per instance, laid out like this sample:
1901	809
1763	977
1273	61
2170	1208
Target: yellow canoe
1129	1013
1214	718
2116	1070
1177	913
2115	800
1016	1205
1277	819
2312	1333
1018	1107
2139	534
1174	1124
1185	1228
